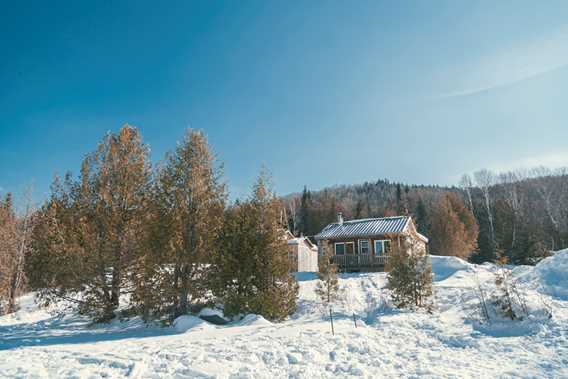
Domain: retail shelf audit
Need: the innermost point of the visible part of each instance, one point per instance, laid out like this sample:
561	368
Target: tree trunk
514	234
114	292
183	292
12	294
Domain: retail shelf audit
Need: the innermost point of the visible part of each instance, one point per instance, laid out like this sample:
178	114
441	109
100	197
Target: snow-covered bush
507	300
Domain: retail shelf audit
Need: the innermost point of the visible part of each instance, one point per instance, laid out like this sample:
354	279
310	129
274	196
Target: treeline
522	215
515	216
127	238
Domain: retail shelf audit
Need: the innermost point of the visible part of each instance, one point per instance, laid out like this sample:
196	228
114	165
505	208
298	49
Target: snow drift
184	323
252	319
444	267
550	275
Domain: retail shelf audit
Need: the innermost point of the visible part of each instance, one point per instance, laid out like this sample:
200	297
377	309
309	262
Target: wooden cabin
365	245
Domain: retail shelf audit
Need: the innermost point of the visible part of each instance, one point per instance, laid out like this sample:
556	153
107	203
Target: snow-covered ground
386	343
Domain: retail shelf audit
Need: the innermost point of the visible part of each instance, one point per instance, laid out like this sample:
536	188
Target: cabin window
350	248
339	248
363	246
382	247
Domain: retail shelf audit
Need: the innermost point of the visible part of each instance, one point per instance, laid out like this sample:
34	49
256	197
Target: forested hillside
518	216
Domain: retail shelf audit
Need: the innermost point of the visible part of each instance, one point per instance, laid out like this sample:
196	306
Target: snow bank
444	267
508	328
27	312
184	323
256	320
211	312
561	251
550	275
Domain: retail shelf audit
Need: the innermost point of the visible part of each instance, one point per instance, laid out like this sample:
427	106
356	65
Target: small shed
302	253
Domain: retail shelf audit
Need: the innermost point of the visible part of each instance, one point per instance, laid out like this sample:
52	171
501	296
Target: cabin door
351	259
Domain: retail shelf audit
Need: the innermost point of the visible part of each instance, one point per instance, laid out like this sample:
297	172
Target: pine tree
237	265
399	202
421	218
305	213
487	247
253	272
89	235
327	288
278	288
150	269
191	200
358	212
410	276
58	265
531	249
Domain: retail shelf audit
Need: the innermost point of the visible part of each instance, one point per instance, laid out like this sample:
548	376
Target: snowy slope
386	342
550	276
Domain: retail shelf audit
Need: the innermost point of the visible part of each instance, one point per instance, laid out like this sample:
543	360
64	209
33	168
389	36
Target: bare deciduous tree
15	233
545	189
509	180
467	184
484	180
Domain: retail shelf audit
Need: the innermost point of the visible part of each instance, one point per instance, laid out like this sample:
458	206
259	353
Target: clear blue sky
321	92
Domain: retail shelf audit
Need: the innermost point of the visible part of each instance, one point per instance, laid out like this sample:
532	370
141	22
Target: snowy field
385	344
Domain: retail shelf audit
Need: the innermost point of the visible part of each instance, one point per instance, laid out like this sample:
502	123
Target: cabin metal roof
364	228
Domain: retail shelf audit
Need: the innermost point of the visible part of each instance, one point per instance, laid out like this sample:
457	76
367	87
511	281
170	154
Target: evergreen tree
358	212
328	287
237	263
67	259
253	271
305	213
151	297
88	237
8	204
410	276
421	218
399	200
486	244
531	249
190	200
278	288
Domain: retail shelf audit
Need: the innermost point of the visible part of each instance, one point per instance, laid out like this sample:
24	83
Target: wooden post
331	320
354	320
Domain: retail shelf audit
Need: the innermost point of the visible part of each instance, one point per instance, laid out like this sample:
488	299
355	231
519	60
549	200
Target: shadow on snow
74	330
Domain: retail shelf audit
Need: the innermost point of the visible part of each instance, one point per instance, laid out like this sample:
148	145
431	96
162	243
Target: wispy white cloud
514	65
503	84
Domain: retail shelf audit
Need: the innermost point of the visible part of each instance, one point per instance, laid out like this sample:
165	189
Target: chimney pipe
340	218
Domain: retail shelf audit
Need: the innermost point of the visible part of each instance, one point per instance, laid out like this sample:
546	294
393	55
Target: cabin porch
360	262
